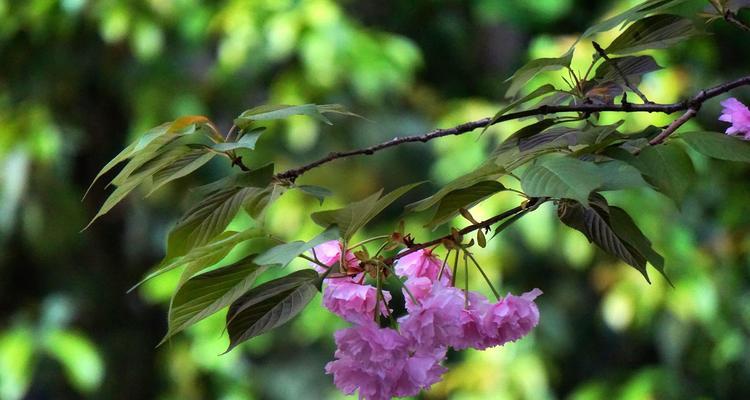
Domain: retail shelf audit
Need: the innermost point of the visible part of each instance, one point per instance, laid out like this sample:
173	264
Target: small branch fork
694	103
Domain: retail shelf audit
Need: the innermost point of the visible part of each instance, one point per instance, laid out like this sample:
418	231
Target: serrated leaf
270	305
619	175
201	257
561	177
594	223
667	167
207	293
182	167
354	216
533	67
654	32
465	198
318	192
626	229
718	145
143	173
486	171
283	254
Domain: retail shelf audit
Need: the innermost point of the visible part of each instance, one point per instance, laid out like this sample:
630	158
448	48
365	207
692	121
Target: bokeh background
79	79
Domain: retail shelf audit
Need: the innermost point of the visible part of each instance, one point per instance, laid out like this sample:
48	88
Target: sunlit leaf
318	192
354	216
636	12
274	112
283	254
667	167
485	172
182	167
533	67
451	203
618	175
561	177
201	257
247	141
207	293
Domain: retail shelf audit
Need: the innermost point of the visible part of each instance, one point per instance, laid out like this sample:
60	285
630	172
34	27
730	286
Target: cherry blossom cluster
383	362
738	115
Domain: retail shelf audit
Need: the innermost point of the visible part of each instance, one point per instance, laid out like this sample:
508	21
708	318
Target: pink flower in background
329	253
378	363
353	301
738	115
422	264
436	321
510	319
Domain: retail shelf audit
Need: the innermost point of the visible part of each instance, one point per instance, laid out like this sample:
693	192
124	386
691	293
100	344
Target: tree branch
693	103
690	113
731	17
531	203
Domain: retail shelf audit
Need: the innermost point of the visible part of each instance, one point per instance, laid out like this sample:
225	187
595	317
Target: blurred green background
81	78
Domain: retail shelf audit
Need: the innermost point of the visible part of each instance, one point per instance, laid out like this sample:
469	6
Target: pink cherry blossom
738	115
329	253
422	263
353	301
435	322
471	319
377	362
416	289
510	319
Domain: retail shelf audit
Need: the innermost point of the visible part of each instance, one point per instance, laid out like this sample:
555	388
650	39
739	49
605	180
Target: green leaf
131	182
274	112
247	141
283	254
533	67
619	175
667	167
206	220
180	168
201	257
718	145
485	172
654	32
626	229
354	216
594	223
463	198
632	14
318	192
633	67
561	177
270	305
207	293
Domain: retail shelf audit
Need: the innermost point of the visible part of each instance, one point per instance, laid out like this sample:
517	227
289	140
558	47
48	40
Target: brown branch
625	79
731	17
690	113
694	102
531	203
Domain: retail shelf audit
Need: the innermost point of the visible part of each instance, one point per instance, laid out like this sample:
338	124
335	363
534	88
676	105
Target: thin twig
704	95
625	79
731	17
690	113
